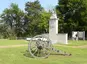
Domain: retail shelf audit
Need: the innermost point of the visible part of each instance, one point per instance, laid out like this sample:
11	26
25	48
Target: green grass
19	55
12	42
77	43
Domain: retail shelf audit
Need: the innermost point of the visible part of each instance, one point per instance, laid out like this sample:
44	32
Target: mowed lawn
19	55
12	42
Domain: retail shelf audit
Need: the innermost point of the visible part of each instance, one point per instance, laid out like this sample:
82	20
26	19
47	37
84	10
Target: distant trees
6	32
14	18
23	24
33	16
72	14
36	18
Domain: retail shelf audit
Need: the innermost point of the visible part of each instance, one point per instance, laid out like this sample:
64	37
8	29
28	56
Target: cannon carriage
40	46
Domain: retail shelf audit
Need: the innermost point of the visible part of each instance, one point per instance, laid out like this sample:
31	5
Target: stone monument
54	36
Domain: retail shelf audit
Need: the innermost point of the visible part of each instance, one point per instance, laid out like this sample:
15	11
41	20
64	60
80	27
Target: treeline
34	20
30	22
73	16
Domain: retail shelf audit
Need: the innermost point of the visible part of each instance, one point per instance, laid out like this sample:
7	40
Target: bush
6	32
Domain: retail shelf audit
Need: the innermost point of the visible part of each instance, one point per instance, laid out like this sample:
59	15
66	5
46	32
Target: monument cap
54	16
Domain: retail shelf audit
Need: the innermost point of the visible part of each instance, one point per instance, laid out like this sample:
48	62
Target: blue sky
47	4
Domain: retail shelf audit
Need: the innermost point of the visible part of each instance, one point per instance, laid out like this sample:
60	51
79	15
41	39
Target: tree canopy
13	17
24	24
73	15
37	18
34	20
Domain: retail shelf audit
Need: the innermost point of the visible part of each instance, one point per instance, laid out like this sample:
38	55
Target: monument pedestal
54	36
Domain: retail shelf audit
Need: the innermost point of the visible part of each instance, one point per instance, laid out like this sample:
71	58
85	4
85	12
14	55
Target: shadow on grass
27	54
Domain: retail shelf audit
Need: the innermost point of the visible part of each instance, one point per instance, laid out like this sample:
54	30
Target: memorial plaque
78	35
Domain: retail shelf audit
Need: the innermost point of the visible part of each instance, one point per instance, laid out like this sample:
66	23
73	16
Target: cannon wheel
39	46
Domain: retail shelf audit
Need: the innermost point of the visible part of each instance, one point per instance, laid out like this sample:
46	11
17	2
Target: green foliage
36	18
33	10
19	24
44	23
72	17
14	18
72	14
6	32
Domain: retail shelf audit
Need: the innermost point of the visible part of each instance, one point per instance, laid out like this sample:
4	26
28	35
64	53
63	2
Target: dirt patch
21	45
12	46
82	46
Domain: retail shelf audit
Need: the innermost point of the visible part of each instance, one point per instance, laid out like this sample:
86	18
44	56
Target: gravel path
21	45
12	46
82	46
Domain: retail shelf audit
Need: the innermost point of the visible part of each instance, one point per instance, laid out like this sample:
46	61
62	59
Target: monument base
59	38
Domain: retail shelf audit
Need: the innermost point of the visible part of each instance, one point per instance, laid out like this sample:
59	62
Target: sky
47	4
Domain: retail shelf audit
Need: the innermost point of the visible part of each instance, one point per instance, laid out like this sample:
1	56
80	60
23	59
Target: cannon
40	46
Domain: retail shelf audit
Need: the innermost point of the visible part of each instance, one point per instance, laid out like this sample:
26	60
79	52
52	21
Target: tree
44	23
14	17
33	16
72	14
6	32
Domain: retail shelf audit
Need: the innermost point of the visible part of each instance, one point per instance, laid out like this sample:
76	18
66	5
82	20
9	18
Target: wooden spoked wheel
39	46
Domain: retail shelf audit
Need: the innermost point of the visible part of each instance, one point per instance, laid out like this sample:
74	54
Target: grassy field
12	42
77	43
19	55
